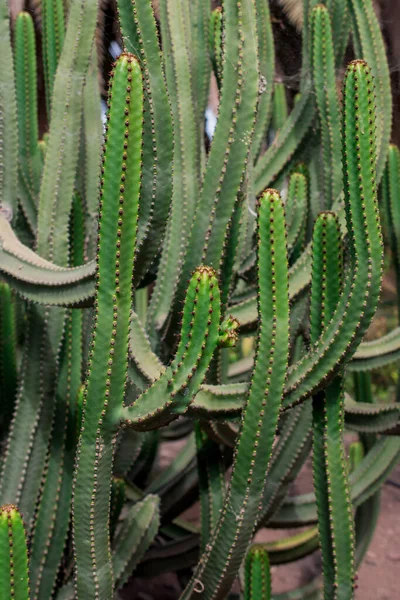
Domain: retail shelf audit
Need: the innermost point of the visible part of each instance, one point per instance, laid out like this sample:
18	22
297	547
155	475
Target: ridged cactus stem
14	571
227	547
335	519
107	366
215	43
27	110
8	357
257	575
52	42
357	304
172	393
323	72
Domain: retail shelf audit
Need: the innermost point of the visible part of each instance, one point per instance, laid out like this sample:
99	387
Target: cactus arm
8	357
280	110
391	187
199	20
93	137
341	25
25	67
371	418
8	110
140	350
377	353
128	448
20	481
52	515
215	32
118	497
291	548
211	482
30	163
292	133
219	564
288	456
53	32
231	142
137	532
323	73
257	575
365	480
58	180
186	157
335	524
368	33
139	33
296	210
266	54
172	393
107	366
14	574
39	279
53	511
358	301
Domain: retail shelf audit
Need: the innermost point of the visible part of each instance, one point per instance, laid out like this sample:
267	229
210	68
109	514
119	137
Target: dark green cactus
150	283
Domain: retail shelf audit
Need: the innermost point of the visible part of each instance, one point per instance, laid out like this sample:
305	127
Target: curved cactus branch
172	393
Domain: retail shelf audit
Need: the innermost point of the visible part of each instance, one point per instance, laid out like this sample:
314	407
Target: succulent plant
161	285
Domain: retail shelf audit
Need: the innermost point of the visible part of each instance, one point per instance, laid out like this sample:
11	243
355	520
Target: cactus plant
134	263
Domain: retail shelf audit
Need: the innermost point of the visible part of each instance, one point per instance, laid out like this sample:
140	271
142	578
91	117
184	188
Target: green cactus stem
172	393
257	575
52	42
14	570
107	366
30	163
335	519
323	72
8	356
215	43
221	560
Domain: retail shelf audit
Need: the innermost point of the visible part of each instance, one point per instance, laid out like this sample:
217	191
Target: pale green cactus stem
8	128
107	367
14	569
30	163
52	42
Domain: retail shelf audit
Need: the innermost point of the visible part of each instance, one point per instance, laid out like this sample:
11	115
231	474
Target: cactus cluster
158	285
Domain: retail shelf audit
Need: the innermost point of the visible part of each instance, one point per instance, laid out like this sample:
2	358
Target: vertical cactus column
14	574
107	366
228	544
335	519
53	39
